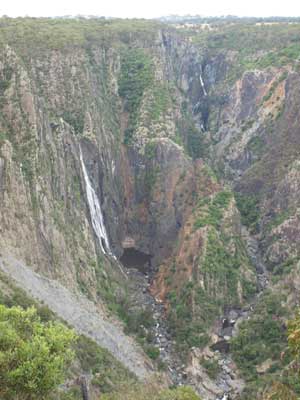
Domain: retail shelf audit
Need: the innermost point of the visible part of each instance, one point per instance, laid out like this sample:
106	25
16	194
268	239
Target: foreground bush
33	355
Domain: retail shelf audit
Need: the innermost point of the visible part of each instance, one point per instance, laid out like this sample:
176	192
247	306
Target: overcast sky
149	8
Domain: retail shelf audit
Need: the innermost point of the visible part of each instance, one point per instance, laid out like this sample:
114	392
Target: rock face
153	116
62	104
263	158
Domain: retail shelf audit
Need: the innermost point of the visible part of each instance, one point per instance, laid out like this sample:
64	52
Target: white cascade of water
202	85
96	212
201	82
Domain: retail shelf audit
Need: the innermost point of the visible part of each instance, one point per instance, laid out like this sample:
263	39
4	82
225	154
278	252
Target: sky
149	8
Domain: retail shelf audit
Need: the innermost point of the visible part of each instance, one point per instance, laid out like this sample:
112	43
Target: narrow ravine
162	339
228	379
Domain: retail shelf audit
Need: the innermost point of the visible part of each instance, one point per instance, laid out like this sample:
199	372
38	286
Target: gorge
149	191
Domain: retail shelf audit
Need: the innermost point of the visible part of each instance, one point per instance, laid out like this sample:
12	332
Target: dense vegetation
33	355
211	210
261	349
255	46
37	35
286	386
107	373
189	328
261	337
195	306
135	77
248	206
36	325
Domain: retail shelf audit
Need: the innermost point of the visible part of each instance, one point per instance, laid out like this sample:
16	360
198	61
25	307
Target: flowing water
95	212
227	381
140	283
202	85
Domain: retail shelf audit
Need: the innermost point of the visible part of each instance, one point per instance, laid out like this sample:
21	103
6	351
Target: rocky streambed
162	339
79	313
227	384
228	379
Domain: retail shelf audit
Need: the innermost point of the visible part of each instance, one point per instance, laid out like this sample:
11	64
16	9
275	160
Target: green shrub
150	150
75	119
159	102
152	351
15	296
248	206
195	143
213	214
212	367
33	355
261	337
3	136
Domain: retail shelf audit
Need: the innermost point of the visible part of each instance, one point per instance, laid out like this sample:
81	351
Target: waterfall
96	212
201	82
202	85
224	397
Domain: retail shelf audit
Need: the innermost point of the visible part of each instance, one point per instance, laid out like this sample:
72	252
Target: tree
33	355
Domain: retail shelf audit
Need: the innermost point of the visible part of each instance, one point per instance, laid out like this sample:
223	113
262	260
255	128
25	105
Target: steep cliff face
55	102
123	108
175	139
259	151
41	179
255	147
